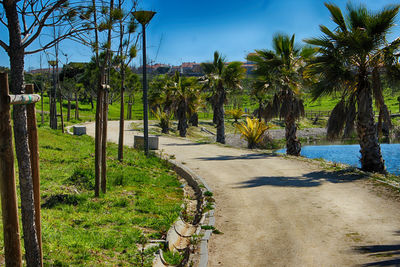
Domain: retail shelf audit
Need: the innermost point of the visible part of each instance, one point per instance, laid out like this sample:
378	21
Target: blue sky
191	30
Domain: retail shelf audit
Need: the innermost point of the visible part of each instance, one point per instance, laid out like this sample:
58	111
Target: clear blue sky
191	30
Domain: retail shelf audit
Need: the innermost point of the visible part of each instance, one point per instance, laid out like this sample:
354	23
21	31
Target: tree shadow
187	144
243	156
307	180
381	251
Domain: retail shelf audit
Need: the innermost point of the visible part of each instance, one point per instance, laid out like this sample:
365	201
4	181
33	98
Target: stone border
195	181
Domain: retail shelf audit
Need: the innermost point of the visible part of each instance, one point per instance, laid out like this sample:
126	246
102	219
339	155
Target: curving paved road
283	212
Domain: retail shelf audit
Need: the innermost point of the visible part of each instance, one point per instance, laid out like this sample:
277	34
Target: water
350	154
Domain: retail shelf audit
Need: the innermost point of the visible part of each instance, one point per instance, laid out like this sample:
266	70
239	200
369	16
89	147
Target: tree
279	70
351	59
183	96
126	52
220	78
26	20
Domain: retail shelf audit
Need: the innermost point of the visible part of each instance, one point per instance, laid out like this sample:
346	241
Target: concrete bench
139	142
79	130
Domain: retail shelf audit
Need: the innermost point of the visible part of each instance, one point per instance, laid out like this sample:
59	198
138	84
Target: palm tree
351	60
280	71
183	91
220	78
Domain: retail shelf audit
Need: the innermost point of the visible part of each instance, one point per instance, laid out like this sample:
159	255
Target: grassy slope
143	199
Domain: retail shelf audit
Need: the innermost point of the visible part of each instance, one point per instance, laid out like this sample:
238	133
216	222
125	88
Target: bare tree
25	22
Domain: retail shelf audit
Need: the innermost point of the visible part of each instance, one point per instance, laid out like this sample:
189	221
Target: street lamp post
144	17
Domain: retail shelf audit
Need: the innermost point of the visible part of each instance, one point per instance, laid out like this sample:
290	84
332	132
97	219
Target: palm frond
337	16
336	120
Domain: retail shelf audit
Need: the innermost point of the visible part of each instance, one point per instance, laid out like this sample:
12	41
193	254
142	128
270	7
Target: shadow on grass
243	156
381	251
308	180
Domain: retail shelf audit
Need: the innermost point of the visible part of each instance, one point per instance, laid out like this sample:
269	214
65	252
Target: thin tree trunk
61	112
16	54
371	156
91	102
121	120
76	107
41	101
129	108
99	113
69	109
104	145
98	137
293	145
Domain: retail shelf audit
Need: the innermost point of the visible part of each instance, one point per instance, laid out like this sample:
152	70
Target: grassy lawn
143	200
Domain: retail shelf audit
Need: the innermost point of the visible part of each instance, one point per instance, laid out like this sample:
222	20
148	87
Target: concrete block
79	130
139	142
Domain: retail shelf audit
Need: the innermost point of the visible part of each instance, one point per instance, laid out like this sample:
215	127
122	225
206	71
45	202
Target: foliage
163	118
235	113
252	131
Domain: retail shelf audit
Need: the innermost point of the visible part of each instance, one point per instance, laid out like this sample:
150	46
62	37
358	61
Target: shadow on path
381	251
244	156
187	144
307	180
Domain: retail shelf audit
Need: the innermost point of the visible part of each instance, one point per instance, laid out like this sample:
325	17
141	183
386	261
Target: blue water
350	154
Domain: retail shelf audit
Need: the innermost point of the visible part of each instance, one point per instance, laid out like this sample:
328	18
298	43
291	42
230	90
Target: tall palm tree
351	60
280	72
220	78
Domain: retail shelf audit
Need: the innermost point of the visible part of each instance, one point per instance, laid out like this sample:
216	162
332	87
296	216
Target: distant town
186	69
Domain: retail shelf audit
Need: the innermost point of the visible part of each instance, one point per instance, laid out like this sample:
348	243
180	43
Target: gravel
236	141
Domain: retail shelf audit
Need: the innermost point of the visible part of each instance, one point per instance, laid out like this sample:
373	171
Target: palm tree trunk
371	157
16	54
219	114
293	145
194	119
182	120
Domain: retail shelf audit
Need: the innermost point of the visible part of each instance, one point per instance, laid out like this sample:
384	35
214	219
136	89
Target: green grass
143	200
86	113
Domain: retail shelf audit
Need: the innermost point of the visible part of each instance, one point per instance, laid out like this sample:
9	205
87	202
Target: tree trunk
371	157
61	112
259	109
69	109
219	116
41	101
53	102
121	118
194	119
293	145
98	137
16	54
104	145
91	102
76	107
182	123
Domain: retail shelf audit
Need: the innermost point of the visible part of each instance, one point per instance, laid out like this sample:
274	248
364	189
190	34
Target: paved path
282	212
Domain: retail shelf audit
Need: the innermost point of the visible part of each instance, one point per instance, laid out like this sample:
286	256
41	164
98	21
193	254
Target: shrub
252	130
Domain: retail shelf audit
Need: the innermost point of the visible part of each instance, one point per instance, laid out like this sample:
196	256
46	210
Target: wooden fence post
34	148
9	207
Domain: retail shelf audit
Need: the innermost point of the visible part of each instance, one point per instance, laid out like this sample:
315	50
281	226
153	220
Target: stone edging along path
207	218
200	186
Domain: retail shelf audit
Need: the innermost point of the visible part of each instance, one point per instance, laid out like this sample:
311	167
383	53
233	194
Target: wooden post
9	206
34	148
